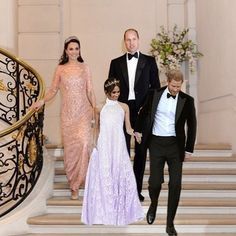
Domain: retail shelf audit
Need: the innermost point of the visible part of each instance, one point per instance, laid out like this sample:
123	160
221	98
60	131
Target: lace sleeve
54	86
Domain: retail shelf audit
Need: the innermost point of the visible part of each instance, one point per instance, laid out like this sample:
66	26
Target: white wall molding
8	24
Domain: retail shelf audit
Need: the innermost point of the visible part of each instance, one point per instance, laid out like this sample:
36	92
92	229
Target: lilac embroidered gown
110	195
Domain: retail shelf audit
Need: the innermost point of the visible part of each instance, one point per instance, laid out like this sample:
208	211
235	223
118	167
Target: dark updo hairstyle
64	58
110	84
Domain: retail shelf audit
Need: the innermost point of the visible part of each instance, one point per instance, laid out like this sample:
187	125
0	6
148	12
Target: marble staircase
207	206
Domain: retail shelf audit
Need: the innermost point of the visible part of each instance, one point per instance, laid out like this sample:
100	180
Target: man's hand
138	137
187	156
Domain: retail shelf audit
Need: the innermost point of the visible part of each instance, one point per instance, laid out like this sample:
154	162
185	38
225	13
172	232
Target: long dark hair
64	58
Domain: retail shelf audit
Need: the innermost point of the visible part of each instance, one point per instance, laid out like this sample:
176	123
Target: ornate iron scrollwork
21	88
21	153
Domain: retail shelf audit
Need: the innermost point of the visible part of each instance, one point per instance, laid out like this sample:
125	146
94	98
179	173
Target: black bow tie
169	95
132	55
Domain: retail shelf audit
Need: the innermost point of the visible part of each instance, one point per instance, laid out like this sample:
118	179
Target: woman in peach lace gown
73	79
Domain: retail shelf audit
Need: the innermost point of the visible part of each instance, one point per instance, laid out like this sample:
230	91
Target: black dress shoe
141	197
170	230
151	214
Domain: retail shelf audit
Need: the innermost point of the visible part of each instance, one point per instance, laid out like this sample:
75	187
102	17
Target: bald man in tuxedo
137	73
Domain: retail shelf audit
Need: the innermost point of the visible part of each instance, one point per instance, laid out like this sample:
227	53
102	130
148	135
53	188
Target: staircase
207	206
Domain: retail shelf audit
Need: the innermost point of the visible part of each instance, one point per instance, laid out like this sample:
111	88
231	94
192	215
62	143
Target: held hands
130	131
138	137
37	105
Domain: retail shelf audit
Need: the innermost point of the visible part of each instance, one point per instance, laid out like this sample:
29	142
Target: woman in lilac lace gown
72	77
110	195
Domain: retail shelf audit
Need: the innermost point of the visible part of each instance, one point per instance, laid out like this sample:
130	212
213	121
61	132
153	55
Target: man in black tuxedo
161	126
137	73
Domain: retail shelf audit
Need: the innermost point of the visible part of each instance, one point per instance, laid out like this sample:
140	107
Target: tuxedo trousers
164	150
139	149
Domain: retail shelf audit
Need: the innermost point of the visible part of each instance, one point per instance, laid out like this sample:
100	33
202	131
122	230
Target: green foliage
171	48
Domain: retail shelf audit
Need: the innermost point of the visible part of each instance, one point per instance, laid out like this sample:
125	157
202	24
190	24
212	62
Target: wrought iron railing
21	131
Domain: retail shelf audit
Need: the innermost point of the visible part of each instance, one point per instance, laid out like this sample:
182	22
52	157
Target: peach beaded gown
74	82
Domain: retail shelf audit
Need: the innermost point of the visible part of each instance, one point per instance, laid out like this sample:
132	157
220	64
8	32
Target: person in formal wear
73	78
110	195
137	73
167	124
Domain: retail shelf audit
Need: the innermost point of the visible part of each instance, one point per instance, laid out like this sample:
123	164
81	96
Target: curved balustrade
21	140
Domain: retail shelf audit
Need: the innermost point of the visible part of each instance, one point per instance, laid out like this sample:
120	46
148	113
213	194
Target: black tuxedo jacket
185	114
146	77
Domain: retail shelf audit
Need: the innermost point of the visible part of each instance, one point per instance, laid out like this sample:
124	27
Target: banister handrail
21	151
41	93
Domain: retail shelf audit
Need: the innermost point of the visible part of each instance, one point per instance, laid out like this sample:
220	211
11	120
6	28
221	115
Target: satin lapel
140	66
123	65
179	108
156	99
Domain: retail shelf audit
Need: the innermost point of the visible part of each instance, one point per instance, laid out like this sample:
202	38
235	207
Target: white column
176	13
191	24
192	85
8	25
176	16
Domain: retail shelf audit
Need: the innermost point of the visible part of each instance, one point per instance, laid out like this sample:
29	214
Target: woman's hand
130	131
37	105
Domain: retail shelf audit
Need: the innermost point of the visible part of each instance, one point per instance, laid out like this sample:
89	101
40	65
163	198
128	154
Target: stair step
185	186
124	234
207	205
193	158
192	171
186	178
186	165
164	193
192	205
184	219
212	159
202	201
215	146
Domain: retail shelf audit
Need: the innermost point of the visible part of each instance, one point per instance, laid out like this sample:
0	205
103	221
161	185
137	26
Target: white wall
39	43
8	25
216	27
100	26
44	24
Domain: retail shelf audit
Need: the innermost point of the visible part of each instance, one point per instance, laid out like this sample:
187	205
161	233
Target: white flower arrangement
171	48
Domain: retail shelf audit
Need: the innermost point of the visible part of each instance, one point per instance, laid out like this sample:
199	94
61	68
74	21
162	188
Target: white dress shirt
132	66
164	122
